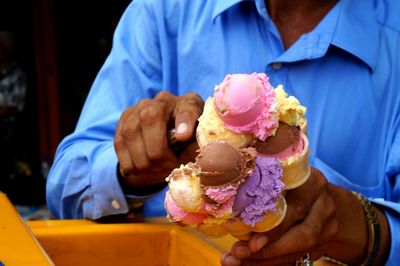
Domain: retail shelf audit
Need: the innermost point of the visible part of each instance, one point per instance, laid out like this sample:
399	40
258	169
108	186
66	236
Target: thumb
185	125
187	112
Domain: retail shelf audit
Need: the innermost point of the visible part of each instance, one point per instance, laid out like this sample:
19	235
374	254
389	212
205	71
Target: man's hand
322	219
141	140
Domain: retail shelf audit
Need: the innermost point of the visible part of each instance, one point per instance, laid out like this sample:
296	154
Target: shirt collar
357	31
313	44
222	5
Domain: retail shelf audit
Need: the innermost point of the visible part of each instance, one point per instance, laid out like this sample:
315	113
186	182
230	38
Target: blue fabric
346	71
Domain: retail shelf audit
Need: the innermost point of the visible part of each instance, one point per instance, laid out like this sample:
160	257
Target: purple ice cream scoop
258	195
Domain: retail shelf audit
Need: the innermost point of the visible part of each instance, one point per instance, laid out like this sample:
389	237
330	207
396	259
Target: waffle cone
213	230
303	126
239	230
296	169
242	237
272	220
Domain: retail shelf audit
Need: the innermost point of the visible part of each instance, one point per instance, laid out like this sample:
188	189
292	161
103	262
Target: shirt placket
276	70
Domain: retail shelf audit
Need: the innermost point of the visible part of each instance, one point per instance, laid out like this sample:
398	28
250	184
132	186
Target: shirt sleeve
83	182
390	203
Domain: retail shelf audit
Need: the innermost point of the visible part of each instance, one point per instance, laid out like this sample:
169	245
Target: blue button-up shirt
346	72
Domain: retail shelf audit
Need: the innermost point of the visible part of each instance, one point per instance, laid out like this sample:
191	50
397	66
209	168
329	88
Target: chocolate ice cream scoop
285	137
221	163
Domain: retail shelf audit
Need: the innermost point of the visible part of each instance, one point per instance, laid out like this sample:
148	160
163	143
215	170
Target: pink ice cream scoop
246	103
220	200
181	216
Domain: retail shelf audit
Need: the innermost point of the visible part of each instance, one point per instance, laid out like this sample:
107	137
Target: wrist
374	230
351	244
377	243
130	188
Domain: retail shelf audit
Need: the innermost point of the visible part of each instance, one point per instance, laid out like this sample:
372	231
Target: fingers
168	100
134	142
229	260
120	147
310	223
141	140
187	111
154	139
288	259
299	202
259	240
309	234
310	237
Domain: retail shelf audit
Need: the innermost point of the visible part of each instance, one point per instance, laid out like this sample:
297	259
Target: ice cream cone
239	230
214	228
273	219
303	126
242	237
296	169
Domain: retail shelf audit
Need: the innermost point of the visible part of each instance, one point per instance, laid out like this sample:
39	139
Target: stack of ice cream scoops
253	147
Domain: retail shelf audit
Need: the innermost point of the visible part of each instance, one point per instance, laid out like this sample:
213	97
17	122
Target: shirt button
115	204
276	65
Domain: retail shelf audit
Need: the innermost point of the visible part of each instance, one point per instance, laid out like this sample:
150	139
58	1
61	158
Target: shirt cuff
109	198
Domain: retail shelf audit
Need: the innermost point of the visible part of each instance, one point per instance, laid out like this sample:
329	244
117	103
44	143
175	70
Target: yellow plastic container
154	242
18	246
82	242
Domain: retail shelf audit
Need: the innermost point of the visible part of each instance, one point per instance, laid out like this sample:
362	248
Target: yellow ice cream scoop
184	187
291	111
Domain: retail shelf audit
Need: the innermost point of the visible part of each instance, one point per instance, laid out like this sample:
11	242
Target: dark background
81	36
84	37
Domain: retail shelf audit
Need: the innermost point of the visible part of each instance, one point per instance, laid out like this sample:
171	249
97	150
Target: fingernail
261	242
242	252
229	260
182	128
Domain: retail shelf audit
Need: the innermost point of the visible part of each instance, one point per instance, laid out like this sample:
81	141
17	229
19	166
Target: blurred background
50	52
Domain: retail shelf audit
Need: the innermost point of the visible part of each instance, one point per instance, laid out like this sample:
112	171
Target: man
337	57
